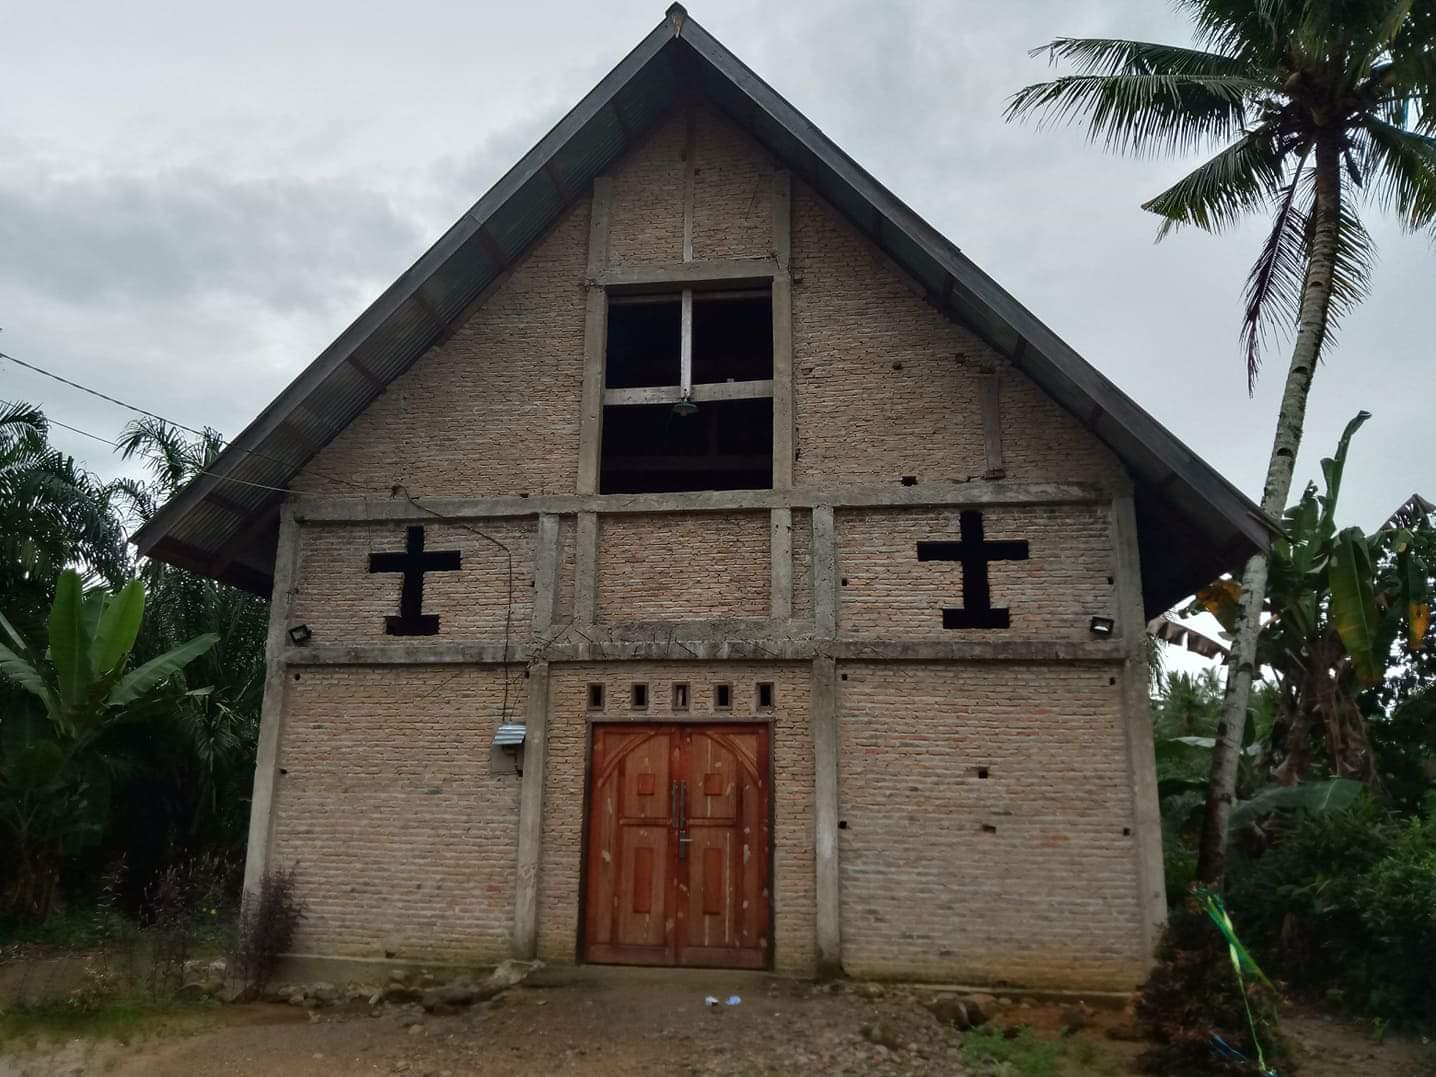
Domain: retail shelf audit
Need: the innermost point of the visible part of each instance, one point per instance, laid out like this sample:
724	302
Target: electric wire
392	492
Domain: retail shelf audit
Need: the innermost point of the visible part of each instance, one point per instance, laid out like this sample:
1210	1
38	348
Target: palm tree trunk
1241	663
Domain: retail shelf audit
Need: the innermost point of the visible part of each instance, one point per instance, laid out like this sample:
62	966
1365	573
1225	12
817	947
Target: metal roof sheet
1193	524
510	735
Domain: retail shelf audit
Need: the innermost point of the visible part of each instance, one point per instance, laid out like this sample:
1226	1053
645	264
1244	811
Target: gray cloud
192	205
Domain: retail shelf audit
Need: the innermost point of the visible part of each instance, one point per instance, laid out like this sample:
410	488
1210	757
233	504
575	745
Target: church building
694	559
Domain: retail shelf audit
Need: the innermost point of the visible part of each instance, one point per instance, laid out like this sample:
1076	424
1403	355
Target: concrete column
525	941
530	843
782	335
585	591
271	721
1137	723
825	839
780	556
595	340
825	569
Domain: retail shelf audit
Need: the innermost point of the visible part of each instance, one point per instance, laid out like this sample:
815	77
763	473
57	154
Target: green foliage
173	778
56	764
1341	906
1340	605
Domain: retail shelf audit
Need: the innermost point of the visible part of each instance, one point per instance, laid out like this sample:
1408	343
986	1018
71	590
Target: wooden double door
678	845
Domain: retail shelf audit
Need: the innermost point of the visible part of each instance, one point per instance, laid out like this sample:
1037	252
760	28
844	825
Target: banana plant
1337	604
54	769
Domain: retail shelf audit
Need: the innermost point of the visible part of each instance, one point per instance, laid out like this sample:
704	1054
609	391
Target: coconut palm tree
1316	107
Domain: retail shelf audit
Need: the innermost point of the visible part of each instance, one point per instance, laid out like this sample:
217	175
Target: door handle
683	838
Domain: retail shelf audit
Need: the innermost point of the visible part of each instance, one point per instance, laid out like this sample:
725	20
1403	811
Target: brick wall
559	875
495	409
884	591
1049	898
666	567
887	387
404	842
342	601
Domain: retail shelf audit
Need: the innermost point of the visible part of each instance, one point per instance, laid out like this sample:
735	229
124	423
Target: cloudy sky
196	198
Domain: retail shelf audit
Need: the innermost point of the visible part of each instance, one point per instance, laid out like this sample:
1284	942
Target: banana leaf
139	681
1315	798
1353	604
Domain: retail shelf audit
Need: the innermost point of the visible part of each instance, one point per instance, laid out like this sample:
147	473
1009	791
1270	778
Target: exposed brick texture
406	841
888	593
792	749
342	601
887	387
403	840
670	567
1050	897
492	411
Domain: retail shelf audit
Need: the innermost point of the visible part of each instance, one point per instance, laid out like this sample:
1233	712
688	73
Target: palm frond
1241	179
1117	56
1274	284
1400	167
1256	31
1143	114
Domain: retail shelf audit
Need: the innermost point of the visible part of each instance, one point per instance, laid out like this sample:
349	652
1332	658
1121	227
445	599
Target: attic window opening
688	392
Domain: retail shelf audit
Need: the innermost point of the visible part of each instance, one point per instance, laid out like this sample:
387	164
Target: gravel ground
599	1026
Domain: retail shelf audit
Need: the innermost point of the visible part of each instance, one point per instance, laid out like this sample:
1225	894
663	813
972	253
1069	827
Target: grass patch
122	1018
988	1050
68	929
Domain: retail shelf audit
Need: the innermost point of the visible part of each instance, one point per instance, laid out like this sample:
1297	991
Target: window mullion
685	351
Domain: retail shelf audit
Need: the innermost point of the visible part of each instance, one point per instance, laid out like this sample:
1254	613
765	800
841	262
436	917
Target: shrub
1339	906
267	923
1192	1002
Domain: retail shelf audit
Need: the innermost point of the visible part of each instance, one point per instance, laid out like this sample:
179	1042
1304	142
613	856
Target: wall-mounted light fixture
1102	626
300	635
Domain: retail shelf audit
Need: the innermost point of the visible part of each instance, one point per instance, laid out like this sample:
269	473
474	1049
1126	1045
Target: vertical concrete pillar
825	815
271	720
530	842
1137	723
595	340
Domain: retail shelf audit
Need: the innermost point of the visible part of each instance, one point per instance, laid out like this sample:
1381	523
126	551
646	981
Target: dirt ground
635	1021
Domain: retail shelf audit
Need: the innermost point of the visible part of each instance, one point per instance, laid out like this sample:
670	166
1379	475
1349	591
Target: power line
210	433
95	392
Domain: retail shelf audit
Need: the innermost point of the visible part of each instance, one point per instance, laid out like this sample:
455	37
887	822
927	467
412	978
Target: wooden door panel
723	908
630	864
652	899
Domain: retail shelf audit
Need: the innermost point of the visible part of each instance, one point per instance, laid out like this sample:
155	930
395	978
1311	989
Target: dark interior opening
724	445
722	696
644	339
732	338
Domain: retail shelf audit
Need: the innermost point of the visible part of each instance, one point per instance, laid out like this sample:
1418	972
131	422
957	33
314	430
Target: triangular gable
1192	523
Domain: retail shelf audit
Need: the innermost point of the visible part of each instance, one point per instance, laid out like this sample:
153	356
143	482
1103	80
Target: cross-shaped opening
413	563
974	551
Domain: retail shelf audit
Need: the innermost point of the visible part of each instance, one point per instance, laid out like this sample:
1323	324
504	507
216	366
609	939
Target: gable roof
1192	524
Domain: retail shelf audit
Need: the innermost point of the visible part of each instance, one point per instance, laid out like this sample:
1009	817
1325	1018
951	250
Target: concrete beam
780	564
1137	724
271	721
776	641
825	570
530	841
824	703
595	340
976	494
707	271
